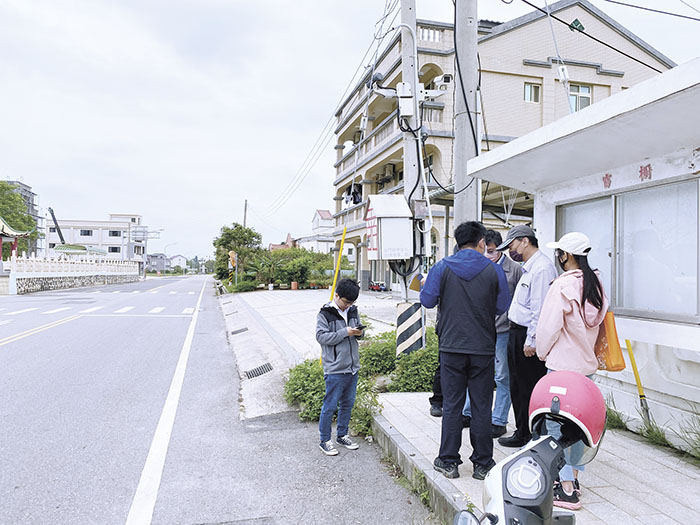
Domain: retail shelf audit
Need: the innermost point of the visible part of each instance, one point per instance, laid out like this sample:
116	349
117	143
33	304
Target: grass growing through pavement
653	432
689	432
615	418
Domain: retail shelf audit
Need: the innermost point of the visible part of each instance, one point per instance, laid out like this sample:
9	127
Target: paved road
119	404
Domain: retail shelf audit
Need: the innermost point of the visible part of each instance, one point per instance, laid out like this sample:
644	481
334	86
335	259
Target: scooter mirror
464	517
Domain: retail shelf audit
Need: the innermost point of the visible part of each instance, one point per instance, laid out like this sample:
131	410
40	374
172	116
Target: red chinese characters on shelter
607	180
645	172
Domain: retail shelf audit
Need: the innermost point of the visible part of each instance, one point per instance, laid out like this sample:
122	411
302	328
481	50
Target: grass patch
689	433
615	418
419	485
653	432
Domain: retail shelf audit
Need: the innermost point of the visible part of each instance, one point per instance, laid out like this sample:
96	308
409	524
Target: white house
625	171
321	237
178	260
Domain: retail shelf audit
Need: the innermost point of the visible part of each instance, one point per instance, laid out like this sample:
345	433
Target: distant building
178	260
320	239
121	237
288	243
158	262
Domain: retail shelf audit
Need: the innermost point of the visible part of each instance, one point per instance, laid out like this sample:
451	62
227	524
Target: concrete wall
32	283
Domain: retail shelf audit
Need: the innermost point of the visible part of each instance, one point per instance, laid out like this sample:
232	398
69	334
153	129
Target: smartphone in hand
360	326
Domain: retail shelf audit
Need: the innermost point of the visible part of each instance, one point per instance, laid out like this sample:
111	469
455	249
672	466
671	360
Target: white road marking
117	291
156	310
21	311
141	511
136	291
56	310
97	291
1	309
93	309
172	293
124	310
188	311
5	321
190	293
154	292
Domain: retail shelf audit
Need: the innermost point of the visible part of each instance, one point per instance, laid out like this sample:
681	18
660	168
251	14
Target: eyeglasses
346	303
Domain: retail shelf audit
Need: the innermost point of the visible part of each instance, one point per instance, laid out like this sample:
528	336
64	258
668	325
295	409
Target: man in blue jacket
471	291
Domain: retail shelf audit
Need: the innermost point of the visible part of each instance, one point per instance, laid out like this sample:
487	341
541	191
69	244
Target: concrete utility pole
409	74
245	212
467	206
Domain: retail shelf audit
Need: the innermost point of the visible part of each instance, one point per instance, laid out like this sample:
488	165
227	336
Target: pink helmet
570	397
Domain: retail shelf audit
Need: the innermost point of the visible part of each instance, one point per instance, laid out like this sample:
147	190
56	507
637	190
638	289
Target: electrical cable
430	169
686	3
562	74
653	10
461	83
483	114
308	164
583	32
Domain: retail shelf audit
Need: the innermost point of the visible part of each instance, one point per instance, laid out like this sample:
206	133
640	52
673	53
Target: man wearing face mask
471	291
524	312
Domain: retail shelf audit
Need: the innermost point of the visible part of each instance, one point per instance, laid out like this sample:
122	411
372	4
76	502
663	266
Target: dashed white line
156	310
188	311
21	311
136	291
93	309
124	310
190	293
172	293
56	310
117	291
155	292
97	291
5	321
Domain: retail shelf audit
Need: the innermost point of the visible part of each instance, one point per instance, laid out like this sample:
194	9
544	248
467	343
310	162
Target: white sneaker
328	449
347	443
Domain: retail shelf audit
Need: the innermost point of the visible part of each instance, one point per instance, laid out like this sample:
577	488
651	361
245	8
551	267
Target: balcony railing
34	265
374	140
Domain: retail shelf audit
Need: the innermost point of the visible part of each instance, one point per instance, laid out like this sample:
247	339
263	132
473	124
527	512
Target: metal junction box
389	228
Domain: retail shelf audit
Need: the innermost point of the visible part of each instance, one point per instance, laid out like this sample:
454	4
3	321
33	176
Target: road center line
56	310
21	311
16	337
141	511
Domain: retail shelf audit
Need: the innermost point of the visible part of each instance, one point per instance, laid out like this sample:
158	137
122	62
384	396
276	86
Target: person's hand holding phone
356	331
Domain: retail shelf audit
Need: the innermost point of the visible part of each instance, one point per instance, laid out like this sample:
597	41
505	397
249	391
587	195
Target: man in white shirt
524	312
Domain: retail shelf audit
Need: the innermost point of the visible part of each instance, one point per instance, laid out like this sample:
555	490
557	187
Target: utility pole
466	207
409	75
245	212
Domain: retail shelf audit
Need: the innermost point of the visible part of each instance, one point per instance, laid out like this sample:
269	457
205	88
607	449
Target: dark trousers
456	372
525	372
436	398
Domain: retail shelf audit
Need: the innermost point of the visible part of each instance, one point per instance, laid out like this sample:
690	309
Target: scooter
518	490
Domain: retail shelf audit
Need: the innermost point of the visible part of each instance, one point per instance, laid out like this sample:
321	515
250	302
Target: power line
583	32
326	133
693	8
654	10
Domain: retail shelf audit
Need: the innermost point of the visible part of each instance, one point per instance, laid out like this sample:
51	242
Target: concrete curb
443	500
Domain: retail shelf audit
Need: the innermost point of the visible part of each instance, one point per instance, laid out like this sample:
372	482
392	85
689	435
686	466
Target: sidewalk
629	482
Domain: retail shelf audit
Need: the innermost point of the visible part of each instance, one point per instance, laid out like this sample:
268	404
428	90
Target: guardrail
34	265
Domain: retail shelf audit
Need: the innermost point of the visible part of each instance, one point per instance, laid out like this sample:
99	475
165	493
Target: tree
244	241
209	265
13	210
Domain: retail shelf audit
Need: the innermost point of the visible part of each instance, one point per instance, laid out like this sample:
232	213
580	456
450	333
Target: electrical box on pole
389	228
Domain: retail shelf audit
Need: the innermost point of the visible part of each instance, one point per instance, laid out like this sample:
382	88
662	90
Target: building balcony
352	217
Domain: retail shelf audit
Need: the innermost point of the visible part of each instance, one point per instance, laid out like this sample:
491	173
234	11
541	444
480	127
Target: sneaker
347	443
566	501
480	472
577	488
327	448
436	410
498	430
449	470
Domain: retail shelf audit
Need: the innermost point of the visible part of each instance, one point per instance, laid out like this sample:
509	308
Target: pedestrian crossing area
101	310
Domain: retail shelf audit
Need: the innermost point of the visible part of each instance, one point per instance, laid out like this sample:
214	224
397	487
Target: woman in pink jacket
572	312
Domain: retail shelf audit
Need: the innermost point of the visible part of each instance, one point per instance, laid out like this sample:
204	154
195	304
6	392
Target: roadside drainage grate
255	372
239	331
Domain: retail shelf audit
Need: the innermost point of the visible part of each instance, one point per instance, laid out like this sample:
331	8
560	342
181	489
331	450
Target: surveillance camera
442	81
376	78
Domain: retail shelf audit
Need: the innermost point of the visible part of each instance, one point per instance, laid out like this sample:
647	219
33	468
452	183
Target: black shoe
466	421
436	410
512	441
480	472
498	430
449	470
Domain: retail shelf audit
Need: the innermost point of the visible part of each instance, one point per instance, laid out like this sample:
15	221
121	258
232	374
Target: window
114	249
349	251
52	245
133	219
579	96
645	245
52	229
657	250
115	233
532	92
594	218
86	233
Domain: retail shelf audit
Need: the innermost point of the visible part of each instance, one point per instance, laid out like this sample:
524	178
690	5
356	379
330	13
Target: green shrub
306	388
245	286
414	372
378	354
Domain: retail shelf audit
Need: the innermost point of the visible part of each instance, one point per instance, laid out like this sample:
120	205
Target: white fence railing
34	265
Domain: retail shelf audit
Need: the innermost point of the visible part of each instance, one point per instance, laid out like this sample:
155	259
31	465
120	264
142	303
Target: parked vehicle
377	286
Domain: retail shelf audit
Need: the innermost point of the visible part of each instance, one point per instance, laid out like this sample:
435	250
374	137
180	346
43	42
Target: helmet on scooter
576	403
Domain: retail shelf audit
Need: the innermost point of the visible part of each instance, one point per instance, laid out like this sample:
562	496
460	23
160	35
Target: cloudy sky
180	110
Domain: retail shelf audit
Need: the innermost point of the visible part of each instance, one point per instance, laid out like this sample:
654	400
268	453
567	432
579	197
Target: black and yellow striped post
230	276
409	328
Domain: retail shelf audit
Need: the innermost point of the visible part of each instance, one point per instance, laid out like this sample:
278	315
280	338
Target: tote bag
607	346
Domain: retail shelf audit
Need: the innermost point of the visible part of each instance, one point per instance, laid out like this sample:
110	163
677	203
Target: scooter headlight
525	478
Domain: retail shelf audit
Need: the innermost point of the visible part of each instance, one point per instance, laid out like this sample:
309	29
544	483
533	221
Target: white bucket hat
575	243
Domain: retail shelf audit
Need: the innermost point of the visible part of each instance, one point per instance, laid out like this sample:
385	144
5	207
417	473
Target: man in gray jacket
513	271
337	329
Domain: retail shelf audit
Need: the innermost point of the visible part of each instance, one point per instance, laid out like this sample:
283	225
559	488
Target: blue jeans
502	405
340	395
573	454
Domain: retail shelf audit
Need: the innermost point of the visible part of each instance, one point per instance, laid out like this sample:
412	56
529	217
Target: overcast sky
180	110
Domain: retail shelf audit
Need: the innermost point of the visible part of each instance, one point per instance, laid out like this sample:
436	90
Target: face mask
517	257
